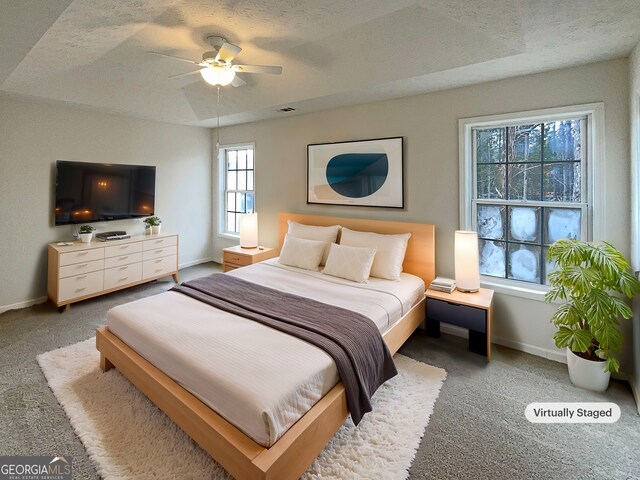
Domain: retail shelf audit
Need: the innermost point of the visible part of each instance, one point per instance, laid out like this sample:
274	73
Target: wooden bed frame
292	454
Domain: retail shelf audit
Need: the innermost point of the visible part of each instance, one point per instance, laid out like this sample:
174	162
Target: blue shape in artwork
357	175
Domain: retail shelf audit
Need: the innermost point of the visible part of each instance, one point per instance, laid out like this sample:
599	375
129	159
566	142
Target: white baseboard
555	355
195	262
26	303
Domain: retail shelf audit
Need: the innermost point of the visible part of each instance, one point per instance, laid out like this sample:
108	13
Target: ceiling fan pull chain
218	128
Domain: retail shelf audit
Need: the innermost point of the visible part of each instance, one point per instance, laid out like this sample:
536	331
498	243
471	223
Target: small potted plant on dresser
152	225
86	233
591	279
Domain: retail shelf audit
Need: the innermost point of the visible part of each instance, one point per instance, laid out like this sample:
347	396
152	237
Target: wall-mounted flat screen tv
98	192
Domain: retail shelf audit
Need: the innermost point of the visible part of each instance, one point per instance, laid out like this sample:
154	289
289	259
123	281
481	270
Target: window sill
230	236
515	288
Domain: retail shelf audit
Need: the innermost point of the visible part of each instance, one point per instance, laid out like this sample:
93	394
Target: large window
238	191
527	187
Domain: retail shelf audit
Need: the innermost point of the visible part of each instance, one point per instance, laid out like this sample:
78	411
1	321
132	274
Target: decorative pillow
301	253
351	263
390	250
311	232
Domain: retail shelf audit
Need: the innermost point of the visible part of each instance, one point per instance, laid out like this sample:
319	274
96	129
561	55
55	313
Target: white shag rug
127	436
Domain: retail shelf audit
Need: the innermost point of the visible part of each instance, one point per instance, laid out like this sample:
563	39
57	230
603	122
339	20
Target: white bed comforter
259	379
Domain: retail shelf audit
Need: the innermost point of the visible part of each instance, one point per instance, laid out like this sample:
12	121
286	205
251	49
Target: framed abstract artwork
366	173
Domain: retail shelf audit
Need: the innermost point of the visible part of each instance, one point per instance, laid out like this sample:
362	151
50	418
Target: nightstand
236	257
472	311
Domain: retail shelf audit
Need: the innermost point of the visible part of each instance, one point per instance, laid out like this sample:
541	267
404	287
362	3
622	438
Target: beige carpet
126	436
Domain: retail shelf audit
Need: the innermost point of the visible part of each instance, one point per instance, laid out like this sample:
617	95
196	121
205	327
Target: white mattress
259	379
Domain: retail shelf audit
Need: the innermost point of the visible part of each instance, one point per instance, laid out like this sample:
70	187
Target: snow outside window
527	189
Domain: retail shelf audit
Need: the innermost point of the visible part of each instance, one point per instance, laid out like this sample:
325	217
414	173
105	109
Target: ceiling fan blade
184	74
238	82
227	52
175	58
272	69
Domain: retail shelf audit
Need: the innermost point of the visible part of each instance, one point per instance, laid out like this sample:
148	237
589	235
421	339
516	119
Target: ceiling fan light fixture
216	75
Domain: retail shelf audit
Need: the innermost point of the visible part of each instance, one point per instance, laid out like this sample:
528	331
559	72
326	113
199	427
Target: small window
238	191
528	188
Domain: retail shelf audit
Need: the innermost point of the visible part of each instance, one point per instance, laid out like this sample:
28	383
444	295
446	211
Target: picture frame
363	173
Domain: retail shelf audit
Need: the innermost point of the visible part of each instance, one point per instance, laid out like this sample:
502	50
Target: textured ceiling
334	52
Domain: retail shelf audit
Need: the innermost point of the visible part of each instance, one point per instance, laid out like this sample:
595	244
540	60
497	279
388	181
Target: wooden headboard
420	258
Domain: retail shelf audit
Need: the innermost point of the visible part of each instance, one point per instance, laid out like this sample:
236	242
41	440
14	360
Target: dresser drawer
460	315
159	252
124	259
159	266
80	285
123	275
80	268
81	256
237	259
154	243
118	250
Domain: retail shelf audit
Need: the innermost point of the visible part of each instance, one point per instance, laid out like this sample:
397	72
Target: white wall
35	135
429	124
634	110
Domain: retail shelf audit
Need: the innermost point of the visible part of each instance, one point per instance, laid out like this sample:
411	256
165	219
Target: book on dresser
78	271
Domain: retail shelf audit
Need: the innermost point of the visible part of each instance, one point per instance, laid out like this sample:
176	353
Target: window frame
594	168
222	186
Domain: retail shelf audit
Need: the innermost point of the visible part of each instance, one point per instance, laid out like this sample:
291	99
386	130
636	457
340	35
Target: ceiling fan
217	68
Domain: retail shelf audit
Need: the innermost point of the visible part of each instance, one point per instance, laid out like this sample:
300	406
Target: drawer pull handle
159	251
159	241
123	258
81	277
124	268
82	265
124	246
80	289
123	279
158	269
235	259
82	253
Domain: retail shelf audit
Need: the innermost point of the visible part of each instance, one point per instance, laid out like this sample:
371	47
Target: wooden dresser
84	270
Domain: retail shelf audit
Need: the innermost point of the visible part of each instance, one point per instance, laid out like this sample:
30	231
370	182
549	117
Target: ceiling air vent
286	109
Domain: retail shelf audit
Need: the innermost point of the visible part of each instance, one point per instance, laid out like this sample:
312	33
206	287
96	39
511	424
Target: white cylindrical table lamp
467	261
249	230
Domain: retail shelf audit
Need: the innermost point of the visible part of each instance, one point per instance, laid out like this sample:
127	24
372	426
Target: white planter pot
155	230
86	237
587	373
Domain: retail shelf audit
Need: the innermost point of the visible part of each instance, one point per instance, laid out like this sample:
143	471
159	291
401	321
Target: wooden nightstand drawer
237	259
456	314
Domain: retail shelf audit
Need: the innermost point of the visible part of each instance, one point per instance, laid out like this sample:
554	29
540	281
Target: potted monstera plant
591	279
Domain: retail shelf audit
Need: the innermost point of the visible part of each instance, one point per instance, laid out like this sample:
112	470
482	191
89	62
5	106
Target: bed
282	450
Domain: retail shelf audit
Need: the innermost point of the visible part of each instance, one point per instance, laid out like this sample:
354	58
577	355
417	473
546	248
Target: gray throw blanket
351	339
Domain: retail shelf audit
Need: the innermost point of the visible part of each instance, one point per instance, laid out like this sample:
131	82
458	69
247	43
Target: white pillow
390	250
352	263
311	232
301	253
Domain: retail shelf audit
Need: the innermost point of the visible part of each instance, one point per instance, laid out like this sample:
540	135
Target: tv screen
97	192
